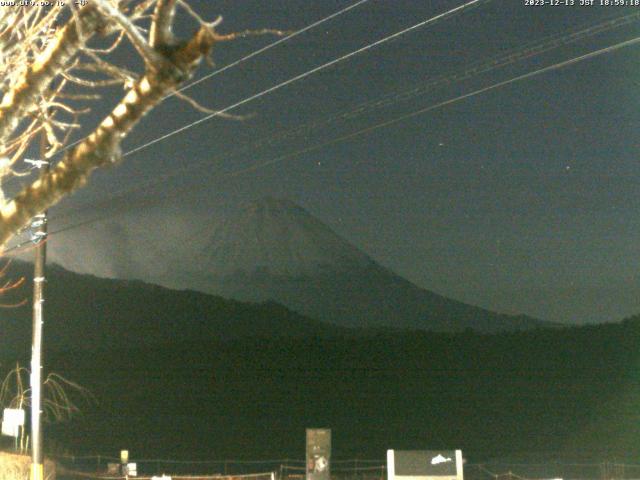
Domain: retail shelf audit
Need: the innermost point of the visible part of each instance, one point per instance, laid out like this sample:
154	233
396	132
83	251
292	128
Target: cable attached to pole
38	236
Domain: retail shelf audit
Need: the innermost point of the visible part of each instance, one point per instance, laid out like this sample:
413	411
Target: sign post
318	454
424	465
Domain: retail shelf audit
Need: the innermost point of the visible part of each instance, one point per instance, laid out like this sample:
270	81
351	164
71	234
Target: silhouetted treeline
556	394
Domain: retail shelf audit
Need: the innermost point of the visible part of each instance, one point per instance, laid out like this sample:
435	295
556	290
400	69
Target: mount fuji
274	250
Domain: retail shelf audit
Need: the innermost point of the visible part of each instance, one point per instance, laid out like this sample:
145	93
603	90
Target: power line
363	131
432	20
429	21
477	68
245	58
509	57
268	47
430	108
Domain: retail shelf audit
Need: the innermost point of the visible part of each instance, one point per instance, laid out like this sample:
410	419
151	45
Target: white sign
163	477
12	420
424	465
132	469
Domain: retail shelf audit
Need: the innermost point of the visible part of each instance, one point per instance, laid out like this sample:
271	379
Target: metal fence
552	470
352	469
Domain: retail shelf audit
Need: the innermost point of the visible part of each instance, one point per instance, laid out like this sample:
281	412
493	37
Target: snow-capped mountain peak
276	236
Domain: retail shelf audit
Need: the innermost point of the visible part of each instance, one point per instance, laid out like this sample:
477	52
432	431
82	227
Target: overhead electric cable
476	68
268	47
439	105
507	58
246	57
429	21
401	118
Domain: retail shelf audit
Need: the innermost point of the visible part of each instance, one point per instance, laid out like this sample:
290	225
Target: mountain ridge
276	250
88	312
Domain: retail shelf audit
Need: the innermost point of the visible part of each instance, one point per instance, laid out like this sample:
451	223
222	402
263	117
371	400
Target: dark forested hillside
558	393
83	311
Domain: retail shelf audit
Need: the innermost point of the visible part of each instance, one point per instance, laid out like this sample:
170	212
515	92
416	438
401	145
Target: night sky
523	199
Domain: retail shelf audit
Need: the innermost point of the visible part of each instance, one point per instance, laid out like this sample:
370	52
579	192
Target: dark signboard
318	453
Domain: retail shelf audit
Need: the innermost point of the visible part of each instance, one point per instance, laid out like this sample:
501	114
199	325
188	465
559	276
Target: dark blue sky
521	199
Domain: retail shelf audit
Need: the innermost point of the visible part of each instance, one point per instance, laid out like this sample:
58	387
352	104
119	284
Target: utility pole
39	237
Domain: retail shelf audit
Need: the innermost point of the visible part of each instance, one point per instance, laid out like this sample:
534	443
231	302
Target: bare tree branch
37	78
22	97
151	57
161	32
102	147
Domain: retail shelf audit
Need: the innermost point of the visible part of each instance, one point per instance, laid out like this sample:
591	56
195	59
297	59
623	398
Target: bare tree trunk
102	147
